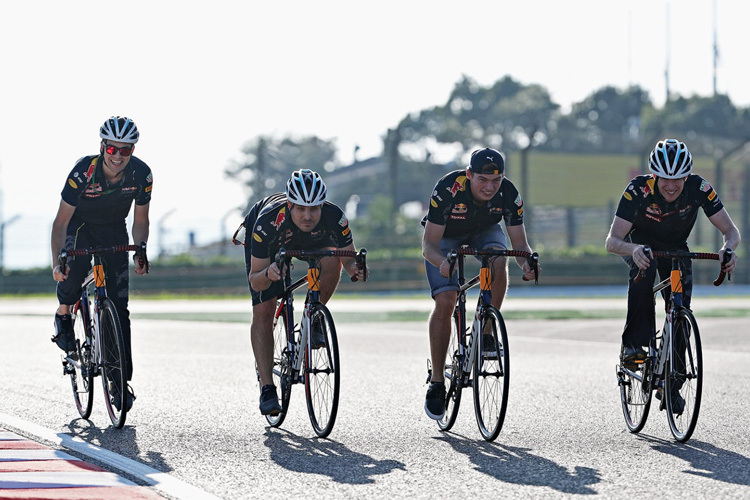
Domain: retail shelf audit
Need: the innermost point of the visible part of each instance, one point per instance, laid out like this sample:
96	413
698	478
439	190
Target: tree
607	121
268	163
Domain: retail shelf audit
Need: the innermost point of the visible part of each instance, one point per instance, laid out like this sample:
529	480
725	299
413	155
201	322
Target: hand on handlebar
642	256
273	272
728	260
59	275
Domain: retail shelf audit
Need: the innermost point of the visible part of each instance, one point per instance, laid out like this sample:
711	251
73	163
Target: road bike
484	351
295	359
674	363
99	343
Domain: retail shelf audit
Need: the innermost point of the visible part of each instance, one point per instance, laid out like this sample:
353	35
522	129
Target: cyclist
299	218
466	207
96	199
659	210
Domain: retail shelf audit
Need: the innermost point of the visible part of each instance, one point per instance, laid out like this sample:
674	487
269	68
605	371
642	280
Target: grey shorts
492	237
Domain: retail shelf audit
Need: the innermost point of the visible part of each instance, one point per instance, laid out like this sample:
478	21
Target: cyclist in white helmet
299	218
659	210
96	200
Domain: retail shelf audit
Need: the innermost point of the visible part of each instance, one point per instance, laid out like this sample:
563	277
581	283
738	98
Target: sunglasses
124	150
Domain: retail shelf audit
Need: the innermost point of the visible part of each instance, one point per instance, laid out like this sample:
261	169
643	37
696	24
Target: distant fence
391	275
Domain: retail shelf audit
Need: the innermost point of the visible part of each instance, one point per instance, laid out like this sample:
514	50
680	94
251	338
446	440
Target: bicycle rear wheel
453	373
491	375
635	394
281	368
322	374
113	363
684	383
82	369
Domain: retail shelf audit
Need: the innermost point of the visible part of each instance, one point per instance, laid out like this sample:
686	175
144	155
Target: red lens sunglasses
124	150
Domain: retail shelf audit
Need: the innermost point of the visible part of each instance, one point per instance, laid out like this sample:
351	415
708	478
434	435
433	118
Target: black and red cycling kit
664	226
268	227
99	219
452	206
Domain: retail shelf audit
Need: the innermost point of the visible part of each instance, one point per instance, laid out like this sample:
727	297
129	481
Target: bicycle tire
454	374
635	394
82	372
322	374
282	367
491	376
685	375
114	367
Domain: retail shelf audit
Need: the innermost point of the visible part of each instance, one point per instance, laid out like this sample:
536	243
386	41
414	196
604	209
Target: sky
201	79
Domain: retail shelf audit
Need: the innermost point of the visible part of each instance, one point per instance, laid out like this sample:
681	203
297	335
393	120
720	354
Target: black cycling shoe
632	355
269	401
129	397
434	403
489	347
318	338
64	337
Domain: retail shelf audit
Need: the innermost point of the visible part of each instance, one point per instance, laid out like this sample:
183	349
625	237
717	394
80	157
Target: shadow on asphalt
517	466
325	457
706	460
122	441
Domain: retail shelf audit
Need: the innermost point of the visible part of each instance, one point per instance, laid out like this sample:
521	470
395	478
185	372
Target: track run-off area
195	430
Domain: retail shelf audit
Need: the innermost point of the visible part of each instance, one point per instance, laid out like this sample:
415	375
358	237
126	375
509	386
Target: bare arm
140	231
262	273
518	241
617	245
723	222
59	231
433	233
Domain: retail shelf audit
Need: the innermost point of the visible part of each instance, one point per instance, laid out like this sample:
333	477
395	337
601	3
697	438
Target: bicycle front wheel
635	393
454	374
684	382
322	373
491	374
113	363
82	369
282	378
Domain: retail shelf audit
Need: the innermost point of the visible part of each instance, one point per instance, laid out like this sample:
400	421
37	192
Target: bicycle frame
673	365
312	279
467	352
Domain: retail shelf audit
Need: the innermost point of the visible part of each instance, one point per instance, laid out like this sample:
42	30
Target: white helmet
119	129
306	188
670	159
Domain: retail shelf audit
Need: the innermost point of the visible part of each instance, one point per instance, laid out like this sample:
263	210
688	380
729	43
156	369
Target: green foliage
268	163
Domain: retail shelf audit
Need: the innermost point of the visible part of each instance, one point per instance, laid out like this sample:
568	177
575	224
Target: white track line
158	480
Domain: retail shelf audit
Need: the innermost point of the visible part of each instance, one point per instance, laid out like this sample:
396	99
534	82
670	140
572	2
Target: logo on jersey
94	188
520	211
627	196
346	231
458	185
649	187
705	186
149	177
518	201
653	212
279	218
72	183
148	189
342	221
90	172
433	202
712	195
460	208
257	238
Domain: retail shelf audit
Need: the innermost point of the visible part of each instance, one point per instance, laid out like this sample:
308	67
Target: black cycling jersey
665	226
96	201
273	228
453	206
